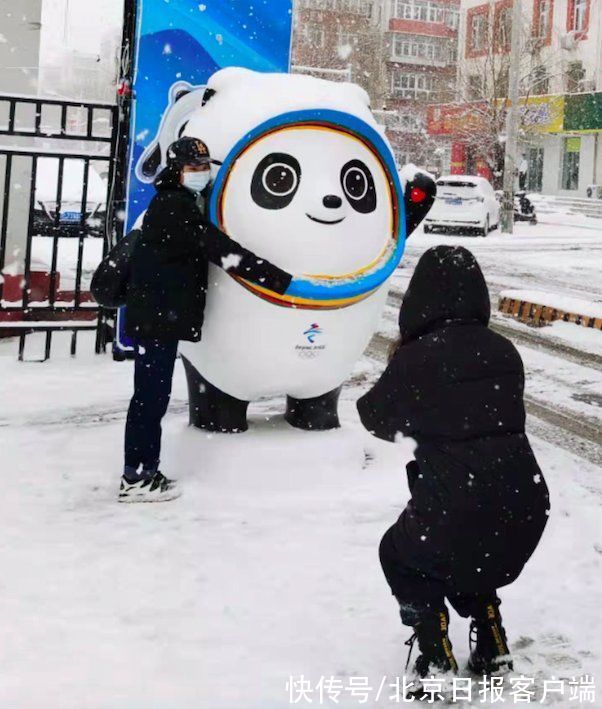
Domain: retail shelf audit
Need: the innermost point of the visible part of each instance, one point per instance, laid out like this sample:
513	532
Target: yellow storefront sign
542	114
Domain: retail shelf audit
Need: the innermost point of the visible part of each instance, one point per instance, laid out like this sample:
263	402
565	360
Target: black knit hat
188	151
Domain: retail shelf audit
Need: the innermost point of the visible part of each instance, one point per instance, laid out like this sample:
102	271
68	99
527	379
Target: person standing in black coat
166	302
479	502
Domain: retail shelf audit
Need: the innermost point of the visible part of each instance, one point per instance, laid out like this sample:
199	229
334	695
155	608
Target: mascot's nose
331	201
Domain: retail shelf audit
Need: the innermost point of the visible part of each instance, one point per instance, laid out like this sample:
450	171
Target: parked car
70	218
464	203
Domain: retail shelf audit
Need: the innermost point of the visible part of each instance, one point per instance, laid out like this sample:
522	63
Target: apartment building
561	89
421	40
403	52
339	40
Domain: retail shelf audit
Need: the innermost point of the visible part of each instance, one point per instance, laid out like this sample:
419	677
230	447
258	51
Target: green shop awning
583	112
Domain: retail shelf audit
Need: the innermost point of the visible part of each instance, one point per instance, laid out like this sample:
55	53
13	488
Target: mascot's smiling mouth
323	221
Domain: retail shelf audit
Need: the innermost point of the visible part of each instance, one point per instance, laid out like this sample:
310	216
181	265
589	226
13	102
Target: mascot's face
313	199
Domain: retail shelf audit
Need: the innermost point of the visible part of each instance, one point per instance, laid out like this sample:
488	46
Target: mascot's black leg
211	408
317	414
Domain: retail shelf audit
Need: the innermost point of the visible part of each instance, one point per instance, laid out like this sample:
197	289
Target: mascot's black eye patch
358	186
275	181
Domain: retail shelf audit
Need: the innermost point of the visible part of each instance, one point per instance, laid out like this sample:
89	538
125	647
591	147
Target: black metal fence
57	174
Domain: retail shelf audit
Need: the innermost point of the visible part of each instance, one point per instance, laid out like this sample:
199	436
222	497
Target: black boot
489	652
436	656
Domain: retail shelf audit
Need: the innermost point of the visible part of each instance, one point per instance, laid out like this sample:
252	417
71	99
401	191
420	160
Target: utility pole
512	121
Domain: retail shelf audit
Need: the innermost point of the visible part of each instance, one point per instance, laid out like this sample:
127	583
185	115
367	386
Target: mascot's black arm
228	254
183	223
419	196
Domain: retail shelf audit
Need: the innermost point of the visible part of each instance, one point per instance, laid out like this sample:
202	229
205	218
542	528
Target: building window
535	170
504	27
410	122
501	84
570	163
478	32
475	87
347	39
314	36
541	80
422	10
405	46
543	18
453	19
402	157
412	86
575	73
579	15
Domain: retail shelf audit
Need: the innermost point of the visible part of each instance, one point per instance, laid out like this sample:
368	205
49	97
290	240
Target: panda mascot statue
307	179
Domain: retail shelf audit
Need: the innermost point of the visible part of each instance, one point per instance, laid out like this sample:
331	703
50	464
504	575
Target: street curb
539	315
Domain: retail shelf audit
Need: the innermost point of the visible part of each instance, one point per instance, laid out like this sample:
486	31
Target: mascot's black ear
208	95
152	162
418	198
181	93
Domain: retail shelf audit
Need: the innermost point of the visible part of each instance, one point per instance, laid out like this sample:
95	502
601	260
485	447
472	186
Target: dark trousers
153	376
420	594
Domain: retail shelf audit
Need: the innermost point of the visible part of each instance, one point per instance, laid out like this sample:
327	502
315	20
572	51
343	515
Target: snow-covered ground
267	566
561	254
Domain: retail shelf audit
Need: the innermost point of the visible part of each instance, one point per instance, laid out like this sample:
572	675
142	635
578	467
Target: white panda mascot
308	181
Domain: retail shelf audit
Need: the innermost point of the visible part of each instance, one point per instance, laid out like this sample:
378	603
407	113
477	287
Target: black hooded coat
479	502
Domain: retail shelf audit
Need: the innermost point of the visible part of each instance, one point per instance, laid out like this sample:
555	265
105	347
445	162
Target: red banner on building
454	120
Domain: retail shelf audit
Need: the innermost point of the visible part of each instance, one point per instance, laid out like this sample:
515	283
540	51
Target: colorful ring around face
323	292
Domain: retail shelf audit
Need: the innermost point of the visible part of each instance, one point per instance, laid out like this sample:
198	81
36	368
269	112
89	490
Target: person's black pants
419	594
153	376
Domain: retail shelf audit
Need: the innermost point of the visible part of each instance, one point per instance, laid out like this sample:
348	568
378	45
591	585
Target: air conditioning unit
569	40
594	191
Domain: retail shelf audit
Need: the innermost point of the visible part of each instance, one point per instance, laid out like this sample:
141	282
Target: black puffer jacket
479	501
168	283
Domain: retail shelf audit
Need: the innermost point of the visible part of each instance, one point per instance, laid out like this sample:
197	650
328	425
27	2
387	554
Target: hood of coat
447	286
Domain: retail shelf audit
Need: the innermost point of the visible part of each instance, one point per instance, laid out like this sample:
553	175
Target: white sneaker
154	489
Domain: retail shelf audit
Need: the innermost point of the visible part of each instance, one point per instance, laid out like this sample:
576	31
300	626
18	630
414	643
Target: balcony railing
421	61
355	7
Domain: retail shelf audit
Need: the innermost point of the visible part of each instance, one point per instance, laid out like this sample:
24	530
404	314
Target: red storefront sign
454	120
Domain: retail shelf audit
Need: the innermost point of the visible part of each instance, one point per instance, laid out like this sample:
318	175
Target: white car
463	203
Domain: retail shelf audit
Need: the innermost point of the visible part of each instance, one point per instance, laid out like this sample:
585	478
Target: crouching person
479	503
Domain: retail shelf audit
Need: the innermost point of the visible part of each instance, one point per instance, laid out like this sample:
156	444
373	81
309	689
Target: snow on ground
558	332
265	568
560	254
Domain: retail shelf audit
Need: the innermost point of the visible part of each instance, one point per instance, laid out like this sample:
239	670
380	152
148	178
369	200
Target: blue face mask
196	181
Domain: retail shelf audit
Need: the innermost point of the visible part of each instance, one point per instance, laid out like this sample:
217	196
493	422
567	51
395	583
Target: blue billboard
179	45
